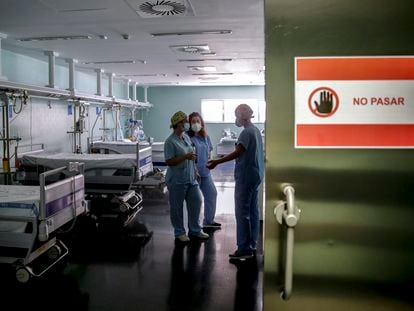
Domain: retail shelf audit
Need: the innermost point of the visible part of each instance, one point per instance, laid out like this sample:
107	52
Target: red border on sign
358	135
315	111
355	68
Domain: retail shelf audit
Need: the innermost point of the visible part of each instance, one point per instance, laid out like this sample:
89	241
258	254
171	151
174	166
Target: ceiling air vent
160	8
190	48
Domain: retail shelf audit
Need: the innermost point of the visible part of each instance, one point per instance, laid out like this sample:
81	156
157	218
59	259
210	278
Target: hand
212	164
326	102
191	156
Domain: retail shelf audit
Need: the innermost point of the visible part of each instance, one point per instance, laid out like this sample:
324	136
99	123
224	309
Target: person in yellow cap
181	181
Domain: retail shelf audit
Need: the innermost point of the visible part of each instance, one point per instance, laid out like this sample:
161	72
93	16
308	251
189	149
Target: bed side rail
21	150
61	201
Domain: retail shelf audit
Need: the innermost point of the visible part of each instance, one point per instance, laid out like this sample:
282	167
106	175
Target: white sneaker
201	236
182	238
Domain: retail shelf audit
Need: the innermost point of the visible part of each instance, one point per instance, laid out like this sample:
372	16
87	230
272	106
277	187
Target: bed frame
36	249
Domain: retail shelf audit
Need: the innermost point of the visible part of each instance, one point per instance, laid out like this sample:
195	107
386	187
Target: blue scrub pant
247	215
210	198
192	196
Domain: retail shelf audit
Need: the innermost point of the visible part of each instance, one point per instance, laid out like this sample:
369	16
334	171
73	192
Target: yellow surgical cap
244	111
178	117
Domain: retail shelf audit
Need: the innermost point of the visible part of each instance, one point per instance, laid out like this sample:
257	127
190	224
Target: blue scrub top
249	167
184	172
203	148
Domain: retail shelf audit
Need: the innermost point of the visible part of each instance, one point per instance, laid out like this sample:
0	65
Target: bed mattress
91	161
18	201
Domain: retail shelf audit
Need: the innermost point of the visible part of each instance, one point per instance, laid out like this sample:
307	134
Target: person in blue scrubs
248	174
182	182
203	147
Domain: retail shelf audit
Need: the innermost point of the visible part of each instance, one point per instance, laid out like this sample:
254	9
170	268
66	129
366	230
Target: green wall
354	241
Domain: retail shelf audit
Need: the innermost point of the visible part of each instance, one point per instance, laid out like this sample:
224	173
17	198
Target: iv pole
6	139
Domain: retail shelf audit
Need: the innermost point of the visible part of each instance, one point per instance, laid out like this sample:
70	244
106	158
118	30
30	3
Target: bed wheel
123	208
22	275
54	252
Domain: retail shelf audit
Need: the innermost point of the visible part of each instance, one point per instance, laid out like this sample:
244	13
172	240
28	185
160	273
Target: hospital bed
152	181
129	147
226	146
30	217
104	173
227	142
111	180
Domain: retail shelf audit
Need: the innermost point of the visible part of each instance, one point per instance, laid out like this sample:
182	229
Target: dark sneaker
214	225
241	255
200	236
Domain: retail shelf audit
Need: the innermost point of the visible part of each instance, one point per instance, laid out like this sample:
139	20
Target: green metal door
354	241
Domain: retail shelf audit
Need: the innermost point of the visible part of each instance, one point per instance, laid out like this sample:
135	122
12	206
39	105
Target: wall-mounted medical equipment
80	114
9	102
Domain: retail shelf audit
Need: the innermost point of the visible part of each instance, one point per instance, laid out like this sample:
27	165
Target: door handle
288	214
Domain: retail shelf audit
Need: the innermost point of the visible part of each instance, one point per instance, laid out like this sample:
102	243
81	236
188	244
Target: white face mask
238	123
196	127
186	126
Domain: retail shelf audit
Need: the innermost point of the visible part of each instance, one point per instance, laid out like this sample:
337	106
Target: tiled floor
141	268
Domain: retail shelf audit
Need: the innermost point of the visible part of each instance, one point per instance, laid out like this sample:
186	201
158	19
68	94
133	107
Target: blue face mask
186	126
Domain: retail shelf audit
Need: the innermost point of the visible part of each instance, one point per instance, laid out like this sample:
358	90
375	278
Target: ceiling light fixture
82	10
203	68
213	74
192	33
80	37
208	78
190	48
207	60
114	62
208	53
146	75
215	82
159	83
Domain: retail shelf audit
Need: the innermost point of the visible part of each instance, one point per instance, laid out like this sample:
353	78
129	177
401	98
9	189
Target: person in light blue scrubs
182	182
248	174
203	147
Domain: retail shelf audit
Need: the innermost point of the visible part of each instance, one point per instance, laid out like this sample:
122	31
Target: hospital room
93	215
200	155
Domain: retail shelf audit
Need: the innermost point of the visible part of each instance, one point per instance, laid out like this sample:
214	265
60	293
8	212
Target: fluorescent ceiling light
213	74
208	53
202	68
190	33
159	83
207	60
80	37
146	75
114	62
208	78
217	82
83	10
191	48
